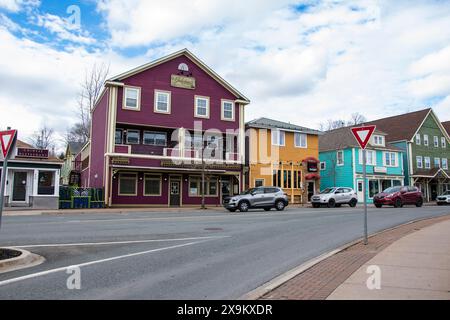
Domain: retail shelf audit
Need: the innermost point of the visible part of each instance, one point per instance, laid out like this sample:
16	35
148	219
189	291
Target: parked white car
335	197
443	198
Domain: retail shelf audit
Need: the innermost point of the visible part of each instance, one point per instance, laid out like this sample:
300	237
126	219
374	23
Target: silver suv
335	197
260	197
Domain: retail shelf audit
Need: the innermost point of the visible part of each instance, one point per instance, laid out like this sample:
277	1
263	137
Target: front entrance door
174	190
19	187
433	191
311	189
360	191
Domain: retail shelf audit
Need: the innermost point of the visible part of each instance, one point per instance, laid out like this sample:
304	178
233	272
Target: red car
398	196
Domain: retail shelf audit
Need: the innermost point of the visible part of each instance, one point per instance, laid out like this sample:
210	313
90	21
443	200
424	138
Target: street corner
12	259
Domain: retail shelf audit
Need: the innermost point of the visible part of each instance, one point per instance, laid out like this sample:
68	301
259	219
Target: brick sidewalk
319	281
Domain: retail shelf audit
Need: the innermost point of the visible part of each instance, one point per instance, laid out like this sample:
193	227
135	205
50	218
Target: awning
312	176
310	159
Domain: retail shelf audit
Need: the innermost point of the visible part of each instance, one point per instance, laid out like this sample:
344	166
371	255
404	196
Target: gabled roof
266	123
194	59
446	125
343	138
74	147
401	127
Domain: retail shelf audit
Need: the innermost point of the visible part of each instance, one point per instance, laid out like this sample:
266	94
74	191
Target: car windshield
446	193
392	189
327	190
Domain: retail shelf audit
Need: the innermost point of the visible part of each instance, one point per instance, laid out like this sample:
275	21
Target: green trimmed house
426	149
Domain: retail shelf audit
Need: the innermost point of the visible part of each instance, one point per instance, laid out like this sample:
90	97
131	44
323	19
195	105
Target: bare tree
356	118
332	124
90	90
43	138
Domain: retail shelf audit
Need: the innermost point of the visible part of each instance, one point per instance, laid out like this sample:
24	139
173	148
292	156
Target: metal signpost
363	135
7	141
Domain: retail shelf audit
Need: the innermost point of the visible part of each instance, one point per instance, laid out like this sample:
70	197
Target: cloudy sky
298	61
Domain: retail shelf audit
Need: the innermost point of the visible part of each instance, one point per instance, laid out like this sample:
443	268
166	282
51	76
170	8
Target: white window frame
337	158
443	142
276	135
197	98
374	157
395	154
427	160
149	176
138	102
378	140
438	161
168	94
425	140
418	142
419	162
136	184
299	134
323	165
436	141
139	136
233	107
444	163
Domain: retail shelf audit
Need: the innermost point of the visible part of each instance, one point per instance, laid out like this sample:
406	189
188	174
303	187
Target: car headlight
233	199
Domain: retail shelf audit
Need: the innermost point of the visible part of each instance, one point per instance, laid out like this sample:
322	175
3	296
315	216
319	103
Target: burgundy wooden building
150	128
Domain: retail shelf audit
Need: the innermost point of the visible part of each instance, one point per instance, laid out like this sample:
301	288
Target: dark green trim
12	164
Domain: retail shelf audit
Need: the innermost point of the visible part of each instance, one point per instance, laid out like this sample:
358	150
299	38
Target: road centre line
117	242
43	273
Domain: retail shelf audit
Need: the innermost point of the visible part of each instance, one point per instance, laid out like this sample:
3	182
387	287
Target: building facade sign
182	82
32	153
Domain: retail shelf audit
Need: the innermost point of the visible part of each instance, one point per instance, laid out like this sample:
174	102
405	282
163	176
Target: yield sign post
7	142
362	135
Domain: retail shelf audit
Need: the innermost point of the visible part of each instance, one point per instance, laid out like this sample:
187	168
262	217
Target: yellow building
283	155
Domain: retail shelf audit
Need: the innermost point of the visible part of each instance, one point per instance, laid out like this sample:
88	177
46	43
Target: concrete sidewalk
416	266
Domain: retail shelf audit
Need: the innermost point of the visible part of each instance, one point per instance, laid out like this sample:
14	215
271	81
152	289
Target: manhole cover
213	229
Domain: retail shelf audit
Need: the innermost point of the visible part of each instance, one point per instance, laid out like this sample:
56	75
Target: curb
285	277
25	260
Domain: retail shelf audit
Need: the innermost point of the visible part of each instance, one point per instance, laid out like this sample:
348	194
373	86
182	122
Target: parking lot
194	254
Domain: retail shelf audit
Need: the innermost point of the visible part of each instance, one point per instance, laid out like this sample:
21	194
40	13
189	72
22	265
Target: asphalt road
189	255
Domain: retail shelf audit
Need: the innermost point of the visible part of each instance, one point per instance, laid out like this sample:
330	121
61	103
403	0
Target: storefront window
46	183
152	185
374	188
128	184
195	186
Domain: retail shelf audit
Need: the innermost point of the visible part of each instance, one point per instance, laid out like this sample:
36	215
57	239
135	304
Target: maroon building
157	127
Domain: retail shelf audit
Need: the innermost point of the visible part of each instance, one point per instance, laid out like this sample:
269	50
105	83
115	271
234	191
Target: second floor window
390	159
444	164
118	138
419	163
427	162
155	138
418	139
425	140
202	107
300	140
277	137
436	141
162	101
371	157
378	140
227	110
340	158
443	142
437	162
131	98
133	136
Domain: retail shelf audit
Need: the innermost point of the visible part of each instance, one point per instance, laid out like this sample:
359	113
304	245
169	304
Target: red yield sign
363	134
7	140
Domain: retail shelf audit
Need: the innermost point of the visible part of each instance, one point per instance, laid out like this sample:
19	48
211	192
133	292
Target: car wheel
267	208
353	203
243	206
316	205
378	205
419	203
398	203
331	203
232	210
279	205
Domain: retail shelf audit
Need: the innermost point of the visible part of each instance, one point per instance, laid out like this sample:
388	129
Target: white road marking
116	242
43	273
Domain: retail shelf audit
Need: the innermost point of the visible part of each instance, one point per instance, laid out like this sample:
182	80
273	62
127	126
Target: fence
78	198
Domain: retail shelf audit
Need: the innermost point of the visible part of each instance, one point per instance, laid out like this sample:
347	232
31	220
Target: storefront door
433	191
19	191
311	189
175	192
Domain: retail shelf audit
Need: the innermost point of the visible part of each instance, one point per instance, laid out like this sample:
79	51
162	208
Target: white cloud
18	5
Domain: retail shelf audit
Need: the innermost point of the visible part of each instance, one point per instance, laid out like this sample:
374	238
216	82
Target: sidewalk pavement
414	260
415	267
